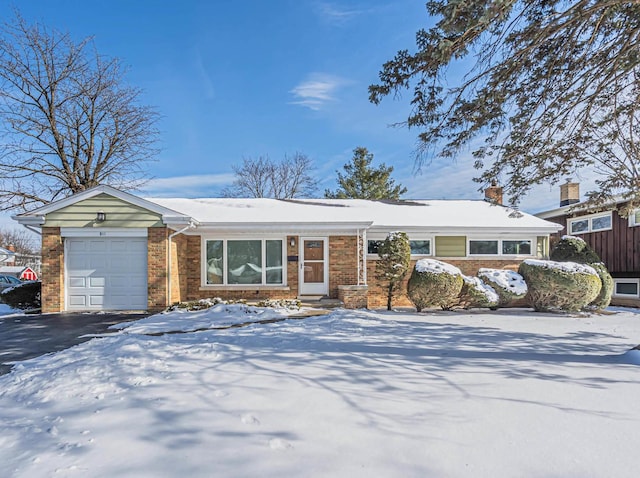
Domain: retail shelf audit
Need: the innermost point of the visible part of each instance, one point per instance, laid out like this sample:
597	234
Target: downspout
171	236
33	229
358	253
364	255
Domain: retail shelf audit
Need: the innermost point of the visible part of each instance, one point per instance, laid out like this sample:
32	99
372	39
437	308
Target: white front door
106	273
314	270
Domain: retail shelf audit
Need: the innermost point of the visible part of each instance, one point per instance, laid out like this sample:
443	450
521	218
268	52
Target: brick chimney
493	194
569	193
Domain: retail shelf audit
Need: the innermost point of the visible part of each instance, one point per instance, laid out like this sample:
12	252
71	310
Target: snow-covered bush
476	293
290	304
509	285
567	286
573	249
434	284
604	297
23	296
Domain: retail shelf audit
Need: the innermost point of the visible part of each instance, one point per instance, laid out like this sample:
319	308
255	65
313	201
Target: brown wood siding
618	248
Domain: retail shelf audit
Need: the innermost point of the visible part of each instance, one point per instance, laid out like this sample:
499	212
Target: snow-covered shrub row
434	284
203	304
567	286
290	304
477	294
509	285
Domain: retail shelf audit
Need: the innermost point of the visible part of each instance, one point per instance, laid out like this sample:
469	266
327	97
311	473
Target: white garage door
106	273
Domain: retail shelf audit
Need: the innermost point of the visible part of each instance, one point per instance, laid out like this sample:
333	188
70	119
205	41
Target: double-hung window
244	262
593	223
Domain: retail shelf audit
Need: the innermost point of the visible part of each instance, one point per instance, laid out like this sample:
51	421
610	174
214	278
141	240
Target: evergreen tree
362	181
539	77
393	263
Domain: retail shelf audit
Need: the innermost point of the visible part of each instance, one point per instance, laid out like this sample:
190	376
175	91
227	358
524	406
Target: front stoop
354	296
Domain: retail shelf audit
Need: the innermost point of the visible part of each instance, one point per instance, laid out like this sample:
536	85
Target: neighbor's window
579	226
626	287
516	248
483	247
600	222
244	262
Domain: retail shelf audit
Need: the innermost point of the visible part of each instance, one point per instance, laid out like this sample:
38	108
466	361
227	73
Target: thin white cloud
336	14
205	79
203	185
316	91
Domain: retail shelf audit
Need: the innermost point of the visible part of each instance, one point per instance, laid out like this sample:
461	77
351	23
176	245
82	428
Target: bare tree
68	121
264	178
23	243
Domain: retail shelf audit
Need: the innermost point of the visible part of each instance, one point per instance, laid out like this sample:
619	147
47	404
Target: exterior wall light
101	216
292	242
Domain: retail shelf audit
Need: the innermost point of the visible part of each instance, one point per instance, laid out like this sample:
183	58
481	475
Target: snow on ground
350	394
219	315
5	310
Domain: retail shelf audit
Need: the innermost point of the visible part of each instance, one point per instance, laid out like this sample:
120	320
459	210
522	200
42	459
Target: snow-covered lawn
351	394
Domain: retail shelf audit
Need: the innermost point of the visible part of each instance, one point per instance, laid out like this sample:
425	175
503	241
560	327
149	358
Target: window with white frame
420	247
626	288
244	262
593	223
634	218
504	247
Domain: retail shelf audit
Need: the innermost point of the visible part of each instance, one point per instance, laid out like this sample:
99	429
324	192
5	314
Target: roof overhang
37	216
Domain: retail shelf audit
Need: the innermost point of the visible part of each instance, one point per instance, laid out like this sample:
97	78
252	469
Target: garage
105	273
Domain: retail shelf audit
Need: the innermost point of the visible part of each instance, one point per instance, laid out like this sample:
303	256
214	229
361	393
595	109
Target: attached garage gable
106	273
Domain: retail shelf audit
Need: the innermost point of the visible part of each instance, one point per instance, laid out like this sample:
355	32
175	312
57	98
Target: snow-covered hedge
509	285
573	249
476	293
604	297
22	296
434	284
565	286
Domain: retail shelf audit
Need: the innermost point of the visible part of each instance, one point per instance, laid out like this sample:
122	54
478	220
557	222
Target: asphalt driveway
29	336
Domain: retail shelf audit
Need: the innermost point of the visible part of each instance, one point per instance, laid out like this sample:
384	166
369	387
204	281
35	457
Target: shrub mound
509	285
604	297
434	284
477	294
23	296
567	286
573	249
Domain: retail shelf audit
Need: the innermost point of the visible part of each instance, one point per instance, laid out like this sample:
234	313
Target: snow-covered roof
435	215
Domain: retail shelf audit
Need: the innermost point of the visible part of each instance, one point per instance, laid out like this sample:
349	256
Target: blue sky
236	79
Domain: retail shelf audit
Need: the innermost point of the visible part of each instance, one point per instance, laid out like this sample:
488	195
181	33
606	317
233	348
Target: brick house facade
149	254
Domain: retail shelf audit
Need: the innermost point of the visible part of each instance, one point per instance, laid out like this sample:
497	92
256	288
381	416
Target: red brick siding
191	265
343	262
52	274
157	241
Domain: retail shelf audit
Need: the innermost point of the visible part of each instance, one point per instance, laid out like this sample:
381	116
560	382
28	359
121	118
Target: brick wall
190	265
157	240
343	263
52	274
378	295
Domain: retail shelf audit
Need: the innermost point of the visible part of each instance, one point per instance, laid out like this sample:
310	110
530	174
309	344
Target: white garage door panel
106	273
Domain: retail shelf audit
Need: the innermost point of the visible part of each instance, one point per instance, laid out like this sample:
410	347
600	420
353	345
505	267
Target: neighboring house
7	256
20	272
614	238
107	249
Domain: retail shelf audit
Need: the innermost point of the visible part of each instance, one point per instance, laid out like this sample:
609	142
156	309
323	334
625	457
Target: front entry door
314	273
